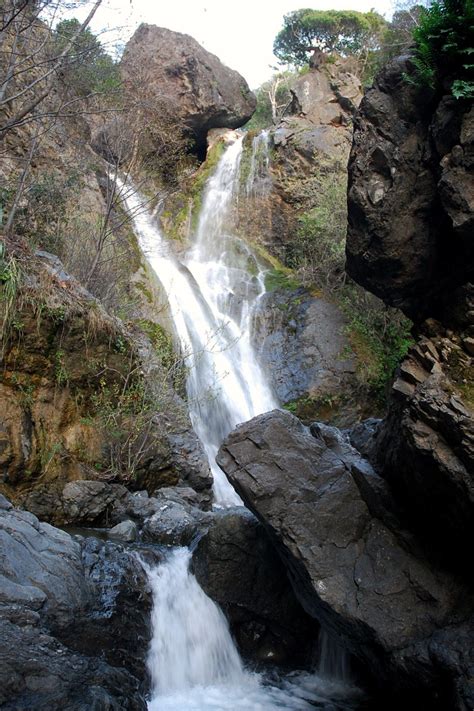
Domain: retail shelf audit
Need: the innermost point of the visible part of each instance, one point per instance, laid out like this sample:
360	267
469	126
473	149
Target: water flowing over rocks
351	563
196	89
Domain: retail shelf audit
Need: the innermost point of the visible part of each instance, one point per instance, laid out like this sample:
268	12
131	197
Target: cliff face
411	215
411	194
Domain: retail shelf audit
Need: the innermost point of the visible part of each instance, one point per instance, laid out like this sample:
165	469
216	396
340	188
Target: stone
63	602
174	524
237	566
193	85
350	569
394	169
126	531
87	502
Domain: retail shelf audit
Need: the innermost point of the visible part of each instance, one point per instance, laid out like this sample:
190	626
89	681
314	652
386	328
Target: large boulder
71	611
237	566
192	85
352	566
412	157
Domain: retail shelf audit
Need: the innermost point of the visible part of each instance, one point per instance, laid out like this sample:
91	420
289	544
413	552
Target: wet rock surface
237	566
71	610
300	341
191	83
350	562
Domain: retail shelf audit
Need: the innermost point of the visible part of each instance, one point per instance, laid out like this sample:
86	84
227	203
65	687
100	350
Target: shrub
444	47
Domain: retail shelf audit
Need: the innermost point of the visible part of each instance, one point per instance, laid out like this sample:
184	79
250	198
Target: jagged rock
348	565
425	448
192	84
411	157
63	603
237	566
174	524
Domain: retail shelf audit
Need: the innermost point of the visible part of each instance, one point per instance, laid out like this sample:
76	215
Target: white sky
241	35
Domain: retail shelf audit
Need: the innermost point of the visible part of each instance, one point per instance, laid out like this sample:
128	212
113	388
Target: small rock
126	531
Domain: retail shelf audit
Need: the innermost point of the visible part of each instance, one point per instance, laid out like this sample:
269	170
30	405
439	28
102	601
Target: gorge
218	490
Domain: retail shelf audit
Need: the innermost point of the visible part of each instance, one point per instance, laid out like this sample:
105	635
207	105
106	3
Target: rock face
426	445
192	84
237	566
412	157
300	340
61	420
352	565
63	603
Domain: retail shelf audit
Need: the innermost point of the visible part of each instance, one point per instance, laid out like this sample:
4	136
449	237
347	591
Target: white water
212	294
194	664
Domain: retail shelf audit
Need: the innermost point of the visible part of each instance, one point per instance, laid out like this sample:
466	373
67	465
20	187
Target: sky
240	34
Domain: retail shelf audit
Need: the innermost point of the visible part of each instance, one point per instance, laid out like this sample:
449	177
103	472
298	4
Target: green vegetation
273	96
379	336
445	47
88	68
342	31
317	251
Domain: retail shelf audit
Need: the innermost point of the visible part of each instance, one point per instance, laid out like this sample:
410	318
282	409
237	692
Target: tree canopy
342	31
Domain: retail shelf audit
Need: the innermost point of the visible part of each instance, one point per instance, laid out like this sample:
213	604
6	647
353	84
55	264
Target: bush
444	47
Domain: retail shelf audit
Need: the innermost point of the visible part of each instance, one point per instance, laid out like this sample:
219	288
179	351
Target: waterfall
333	660
191	643
258	180
212	293
194	664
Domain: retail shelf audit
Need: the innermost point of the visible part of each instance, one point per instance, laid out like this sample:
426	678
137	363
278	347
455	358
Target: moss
280	279
459	370
325	407
145	290
160	340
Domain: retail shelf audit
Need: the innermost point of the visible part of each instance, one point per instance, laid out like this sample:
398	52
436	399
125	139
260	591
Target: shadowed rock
325	509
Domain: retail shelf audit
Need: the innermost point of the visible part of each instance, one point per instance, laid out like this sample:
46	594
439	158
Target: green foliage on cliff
445	46
342	31
88	68
379	336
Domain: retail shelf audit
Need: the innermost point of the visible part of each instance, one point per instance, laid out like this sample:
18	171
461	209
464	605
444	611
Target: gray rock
174	524
126	531
395	169
349	570
63	603
88	502
238	567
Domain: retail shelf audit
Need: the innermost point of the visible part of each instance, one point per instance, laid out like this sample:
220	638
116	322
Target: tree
341	31
87	68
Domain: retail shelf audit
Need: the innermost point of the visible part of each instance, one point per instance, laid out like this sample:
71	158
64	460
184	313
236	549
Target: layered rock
411	193
351	563
412	158
191	84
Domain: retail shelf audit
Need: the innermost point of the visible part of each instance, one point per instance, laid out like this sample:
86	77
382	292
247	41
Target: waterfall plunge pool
194	664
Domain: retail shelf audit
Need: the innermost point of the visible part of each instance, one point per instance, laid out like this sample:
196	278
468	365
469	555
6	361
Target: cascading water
212	294
194	664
